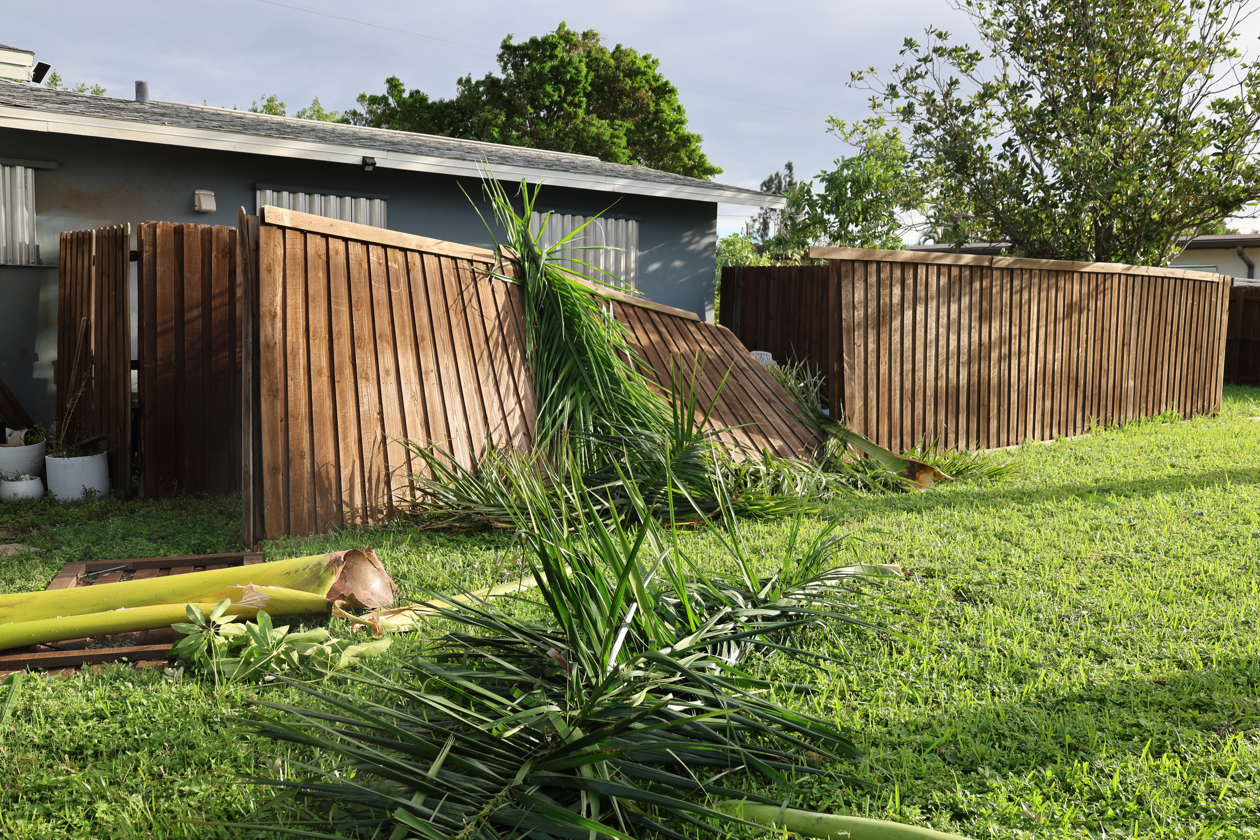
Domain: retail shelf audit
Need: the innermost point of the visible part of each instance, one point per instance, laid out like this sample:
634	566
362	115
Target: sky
758	79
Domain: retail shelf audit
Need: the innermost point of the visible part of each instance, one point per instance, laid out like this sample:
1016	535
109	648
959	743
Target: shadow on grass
997	497
1164	749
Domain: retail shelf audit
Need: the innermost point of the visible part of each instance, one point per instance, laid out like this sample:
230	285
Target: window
363	210
17	216
611	245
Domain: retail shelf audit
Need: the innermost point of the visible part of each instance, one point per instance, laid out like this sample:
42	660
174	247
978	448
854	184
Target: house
1230	253
71	161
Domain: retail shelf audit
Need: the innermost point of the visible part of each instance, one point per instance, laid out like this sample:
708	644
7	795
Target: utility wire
471	48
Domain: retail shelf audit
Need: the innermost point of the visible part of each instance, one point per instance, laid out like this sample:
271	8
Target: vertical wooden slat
351	479
221	449
325	411
273	387
162	461
371	422
191	440
247	276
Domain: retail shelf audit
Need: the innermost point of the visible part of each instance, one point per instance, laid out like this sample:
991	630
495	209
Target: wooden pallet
145	646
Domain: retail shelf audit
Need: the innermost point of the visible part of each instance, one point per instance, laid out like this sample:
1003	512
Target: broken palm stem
354	576
922	476
246	602
814	824
411	617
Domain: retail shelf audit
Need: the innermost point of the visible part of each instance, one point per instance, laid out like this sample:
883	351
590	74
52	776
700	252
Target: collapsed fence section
970	351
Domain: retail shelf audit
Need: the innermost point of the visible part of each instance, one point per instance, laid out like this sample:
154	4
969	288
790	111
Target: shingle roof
42	99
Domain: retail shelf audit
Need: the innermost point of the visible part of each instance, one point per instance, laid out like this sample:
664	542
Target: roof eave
28	119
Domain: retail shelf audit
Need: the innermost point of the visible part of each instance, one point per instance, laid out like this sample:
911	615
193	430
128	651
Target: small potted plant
20	488
77	471
22	452
77	468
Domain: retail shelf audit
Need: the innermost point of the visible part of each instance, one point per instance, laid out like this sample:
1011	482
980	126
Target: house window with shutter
17	216
611	245
362	210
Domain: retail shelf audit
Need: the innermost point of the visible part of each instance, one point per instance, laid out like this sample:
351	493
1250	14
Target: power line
472	48
455	45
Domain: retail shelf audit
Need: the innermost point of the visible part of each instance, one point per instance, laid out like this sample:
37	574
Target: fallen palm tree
299	586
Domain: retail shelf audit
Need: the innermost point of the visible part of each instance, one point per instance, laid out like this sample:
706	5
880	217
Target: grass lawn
1079	652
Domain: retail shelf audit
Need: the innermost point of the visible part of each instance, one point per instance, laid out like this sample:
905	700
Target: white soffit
26	119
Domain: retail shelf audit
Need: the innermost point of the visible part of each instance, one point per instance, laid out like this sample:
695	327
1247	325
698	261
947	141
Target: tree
1085	129
271	104
862	203
764	226
562	91
54	81
315	111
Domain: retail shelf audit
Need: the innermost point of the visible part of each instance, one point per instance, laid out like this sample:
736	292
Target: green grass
1082	655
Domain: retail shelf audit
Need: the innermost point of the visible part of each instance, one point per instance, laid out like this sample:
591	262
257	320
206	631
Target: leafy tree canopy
564	91
1084	129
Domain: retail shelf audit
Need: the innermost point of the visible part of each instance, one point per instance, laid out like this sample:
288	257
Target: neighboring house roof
1220	240
34	108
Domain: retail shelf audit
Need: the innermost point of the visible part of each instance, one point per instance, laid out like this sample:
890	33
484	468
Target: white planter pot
21	489
22	460
70	479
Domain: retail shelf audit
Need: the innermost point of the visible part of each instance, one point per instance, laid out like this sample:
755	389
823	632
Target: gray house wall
102	182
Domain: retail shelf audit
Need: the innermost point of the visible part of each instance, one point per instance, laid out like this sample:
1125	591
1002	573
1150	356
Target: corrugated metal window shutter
17	216
609	246
362	211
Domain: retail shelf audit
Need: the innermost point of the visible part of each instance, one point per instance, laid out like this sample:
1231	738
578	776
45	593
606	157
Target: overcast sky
758	79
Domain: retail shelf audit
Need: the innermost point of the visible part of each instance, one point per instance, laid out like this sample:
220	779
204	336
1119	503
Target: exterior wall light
203	201
369	163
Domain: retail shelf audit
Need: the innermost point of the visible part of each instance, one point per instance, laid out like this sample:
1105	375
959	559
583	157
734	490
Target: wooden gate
189	351
94	343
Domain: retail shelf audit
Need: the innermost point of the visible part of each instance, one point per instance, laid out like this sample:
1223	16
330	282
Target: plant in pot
22	452
77	466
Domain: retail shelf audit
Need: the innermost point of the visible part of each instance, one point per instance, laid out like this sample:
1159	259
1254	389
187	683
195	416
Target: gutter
1251	267
26	119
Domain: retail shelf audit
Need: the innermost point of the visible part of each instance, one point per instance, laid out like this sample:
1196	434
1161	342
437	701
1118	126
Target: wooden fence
780	309
94	343
189	354
985	352
367	337
1242	344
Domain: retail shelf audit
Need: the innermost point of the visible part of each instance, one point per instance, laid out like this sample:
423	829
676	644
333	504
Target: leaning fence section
358	339
367	338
